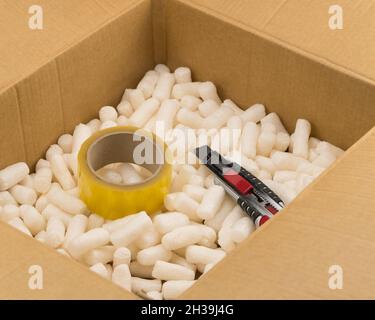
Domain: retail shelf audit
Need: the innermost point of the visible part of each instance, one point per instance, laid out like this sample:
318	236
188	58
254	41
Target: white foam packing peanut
174	288
167	113
55	232
253	114
164	86
43	180
169	221
28	181
32	219
195	192
148	83
217	221
218	118
241	229
284	176
52	211
324	146
114	225
149	256
23	195
52	150
282	141
182	262
109	175
124	108
183	203
94	221
99	255
12	175
131	230
209	236
285	193
93	125
249	139
236	109
76	227
18	224
225	233
190	102
162	68
41	203
6	198
144	112
265	164
182	237
287	161
182	75
182	178
310	169
101	270
324	160
66	142
87	241
108	124
301	138
61	172
107	113
190	118
121	255
211	202
170	271
148	238
273	118
186	89
9	212
207	91
128	174
122	277
42	163
234	122
200	254
135	97
143	286
65	201
266	142
81	133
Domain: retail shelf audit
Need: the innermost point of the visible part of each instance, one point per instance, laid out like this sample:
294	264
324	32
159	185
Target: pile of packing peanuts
161	256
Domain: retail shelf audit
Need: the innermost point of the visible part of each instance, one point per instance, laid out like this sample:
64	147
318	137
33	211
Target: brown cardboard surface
65	23
73	85
286	81
62	277
330	223
96	72
51	81
303	26
11	128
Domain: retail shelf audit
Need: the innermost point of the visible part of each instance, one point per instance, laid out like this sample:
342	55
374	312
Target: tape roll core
113	145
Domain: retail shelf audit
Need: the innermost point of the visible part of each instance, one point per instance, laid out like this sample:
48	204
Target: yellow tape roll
114	145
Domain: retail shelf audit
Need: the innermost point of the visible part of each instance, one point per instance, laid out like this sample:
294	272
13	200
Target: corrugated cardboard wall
331	223
250	68
65	23
62	278
71	88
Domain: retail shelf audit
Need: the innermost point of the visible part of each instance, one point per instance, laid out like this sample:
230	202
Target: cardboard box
280	53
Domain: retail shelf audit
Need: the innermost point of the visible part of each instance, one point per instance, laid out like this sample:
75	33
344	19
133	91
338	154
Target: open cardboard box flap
281	53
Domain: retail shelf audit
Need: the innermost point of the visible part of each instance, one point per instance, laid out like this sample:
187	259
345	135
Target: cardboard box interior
248	59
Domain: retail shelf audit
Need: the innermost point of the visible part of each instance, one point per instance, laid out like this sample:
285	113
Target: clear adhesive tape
123	144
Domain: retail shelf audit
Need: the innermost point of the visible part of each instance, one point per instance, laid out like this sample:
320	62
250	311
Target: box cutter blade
251	194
